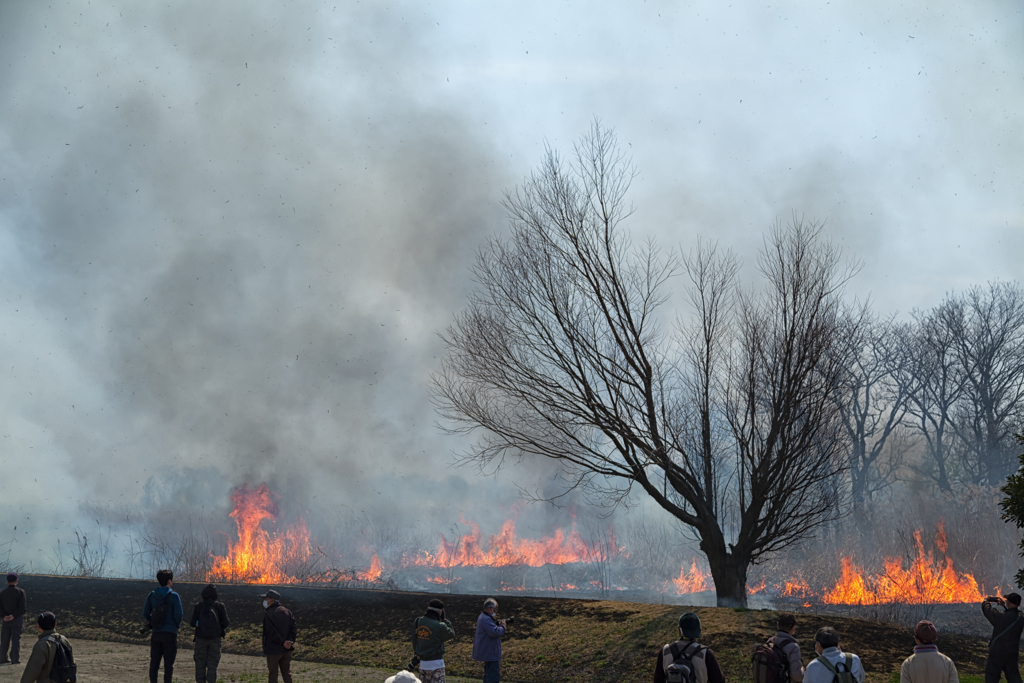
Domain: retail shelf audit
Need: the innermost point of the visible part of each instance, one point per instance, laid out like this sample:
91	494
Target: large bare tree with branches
728	422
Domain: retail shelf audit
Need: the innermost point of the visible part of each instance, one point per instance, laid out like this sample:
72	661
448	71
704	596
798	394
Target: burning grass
564	561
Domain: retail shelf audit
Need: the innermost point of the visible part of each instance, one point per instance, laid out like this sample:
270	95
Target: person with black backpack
163	613
210	619
778	660
832	665
686	660
51	658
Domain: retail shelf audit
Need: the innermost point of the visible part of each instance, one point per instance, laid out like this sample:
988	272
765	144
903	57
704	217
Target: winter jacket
1006	629
278	626
174	610
41	660
487	639
219	609
13	602
816	672
711	672
791	649
429	636
928	665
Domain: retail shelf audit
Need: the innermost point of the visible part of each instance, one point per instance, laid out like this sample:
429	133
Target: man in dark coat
279	631
1004	647
13	605
210	619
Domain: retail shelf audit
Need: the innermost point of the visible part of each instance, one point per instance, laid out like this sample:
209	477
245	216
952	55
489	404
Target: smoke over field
229	237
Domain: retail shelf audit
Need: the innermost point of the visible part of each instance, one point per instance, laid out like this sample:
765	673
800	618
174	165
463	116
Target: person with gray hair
832	663
487	640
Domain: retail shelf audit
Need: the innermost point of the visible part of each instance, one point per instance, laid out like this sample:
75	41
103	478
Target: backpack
770	663
679	664
208	623
64	669
844	676
158	616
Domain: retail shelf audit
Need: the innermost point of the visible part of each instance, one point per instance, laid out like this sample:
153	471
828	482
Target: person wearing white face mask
279	631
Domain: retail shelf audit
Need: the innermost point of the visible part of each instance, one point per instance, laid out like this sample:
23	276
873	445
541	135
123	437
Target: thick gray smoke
230	232
231	236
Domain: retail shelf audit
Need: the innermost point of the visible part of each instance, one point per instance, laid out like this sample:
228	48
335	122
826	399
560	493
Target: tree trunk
730	575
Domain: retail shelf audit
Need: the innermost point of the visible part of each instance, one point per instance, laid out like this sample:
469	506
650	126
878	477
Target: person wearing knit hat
429	634
44	652
1004	645
686	655
13	605
927	664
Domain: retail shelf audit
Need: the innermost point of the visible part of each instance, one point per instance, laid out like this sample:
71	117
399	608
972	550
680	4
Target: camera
510	620
146	628
413	663
991	599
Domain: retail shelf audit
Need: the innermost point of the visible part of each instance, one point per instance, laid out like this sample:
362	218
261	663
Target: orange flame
374	572
929	580
506	549
694	581
257	557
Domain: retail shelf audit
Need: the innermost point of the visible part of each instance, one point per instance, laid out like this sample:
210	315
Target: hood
209	593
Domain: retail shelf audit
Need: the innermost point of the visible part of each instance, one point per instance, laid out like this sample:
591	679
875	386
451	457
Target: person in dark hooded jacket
210	619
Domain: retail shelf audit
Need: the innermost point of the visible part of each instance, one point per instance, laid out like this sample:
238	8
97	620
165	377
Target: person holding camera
429	634
1004	647
487	640
163	612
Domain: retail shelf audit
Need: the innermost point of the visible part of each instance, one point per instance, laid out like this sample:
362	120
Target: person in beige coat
927	664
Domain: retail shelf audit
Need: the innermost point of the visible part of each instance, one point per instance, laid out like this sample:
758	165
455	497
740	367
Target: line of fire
567	562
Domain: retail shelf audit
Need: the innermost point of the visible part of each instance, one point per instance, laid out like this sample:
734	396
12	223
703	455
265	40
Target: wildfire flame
929	580
693	581
505	549
263	554
257	557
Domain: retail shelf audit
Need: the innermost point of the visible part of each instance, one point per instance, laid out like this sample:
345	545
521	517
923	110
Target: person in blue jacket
487	640
164	641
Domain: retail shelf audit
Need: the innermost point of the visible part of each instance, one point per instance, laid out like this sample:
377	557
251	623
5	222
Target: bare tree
986	326
560	354
873	403
935	381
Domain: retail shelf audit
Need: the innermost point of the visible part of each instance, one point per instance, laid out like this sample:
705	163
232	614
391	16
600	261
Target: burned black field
552	640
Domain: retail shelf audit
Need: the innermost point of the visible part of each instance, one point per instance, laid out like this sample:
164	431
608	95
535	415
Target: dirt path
104	662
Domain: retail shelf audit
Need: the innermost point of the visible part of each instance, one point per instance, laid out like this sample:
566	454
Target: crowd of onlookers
162	613
684	660
779	660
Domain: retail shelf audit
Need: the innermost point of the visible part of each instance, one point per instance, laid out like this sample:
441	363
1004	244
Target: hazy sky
229	232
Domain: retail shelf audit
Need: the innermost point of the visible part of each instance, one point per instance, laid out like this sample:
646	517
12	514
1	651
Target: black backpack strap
1008	629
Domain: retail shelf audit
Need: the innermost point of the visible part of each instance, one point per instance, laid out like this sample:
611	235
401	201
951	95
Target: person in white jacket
831	659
